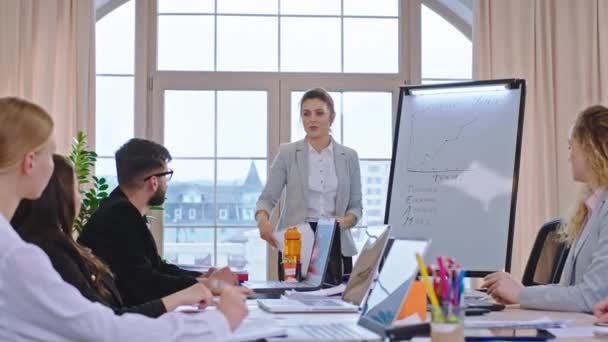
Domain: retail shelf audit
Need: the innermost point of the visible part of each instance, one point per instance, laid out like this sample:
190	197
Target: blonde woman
583	282
35	304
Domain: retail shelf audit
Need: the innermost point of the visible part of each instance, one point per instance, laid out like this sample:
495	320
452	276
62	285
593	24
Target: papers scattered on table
573	332
541	323
329	292
410	320
188	309
256	329
475	294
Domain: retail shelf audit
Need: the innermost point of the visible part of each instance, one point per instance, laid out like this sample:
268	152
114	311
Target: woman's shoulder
53	244
62	254
287	149
292	146
349	152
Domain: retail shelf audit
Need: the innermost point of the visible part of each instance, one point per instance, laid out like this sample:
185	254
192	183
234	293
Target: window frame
191	214
150	83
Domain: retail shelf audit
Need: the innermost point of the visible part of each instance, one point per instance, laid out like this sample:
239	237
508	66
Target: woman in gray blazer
321	179
584	280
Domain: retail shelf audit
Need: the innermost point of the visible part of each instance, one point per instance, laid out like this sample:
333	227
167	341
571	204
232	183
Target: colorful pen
437	315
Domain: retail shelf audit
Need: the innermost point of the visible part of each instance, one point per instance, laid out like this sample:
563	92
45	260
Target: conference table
576	320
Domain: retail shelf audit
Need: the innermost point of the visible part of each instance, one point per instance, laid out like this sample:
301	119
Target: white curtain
47	55
561	48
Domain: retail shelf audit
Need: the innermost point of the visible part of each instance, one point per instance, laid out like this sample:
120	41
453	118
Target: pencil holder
447	324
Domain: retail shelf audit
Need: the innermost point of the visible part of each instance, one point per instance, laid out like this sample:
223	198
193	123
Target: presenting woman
321	179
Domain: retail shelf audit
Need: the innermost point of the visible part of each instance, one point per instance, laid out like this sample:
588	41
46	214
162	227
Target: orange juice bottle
291	254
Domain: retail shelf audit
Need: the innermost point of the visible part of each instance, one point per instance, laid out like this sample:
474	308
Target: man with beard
118	231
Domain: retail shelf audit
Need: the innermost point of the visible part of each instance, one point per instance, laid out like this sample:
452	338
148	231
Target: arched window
447	54
219	81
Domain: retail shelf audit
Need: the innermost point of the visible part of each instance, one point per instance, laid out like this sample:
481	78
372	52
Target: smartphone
507	334
476	311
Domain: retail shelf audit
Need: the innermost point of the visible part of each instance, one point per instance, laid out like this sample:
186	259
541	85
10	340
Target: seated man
118	231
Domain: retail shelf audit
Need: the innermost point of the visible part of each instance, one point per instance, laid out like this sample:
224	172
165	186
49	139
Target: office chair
547	257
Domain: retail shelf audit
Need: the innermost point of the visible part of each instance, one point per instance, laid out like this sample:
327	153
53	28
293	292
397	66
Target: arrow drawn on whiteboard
430	157
482	184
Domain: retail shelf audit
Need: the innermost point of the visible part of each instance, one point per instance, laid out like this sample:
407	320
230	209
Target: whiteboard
454	171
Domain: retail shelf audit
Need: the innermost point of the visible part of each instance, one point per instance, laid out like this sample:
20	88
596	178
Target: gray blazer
289	171
584	281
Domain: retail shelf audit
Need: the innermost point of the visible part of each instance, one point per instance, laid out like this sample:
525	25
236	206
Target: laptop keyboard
329	331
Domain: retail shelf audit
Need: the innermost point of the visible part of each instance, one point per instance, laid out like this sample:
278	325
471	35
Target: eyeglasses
168	174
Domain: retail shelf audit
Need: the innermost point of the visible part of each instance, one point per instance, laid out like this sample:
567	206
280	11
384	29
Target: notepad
572	332
256	329
541	323
329	292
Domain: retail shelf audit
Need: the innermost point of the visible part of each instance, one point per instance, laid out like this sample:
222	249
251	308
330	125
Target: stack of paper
573	332
256	329
329	292
541	323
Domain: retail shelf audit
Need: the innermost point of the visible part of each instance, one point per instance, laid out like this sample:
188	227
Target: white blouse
322	184
37	305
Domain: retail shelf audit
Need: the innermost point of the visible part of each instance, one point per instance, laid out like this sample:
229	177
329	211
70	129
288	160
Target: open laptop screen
320	251
388	291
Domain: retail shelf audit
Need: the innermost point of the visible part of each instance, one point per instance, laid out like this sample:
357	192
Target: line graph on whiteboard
442	150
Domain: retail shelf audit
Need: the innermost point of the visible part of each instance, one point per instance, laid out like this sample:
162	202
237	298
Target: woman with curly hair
583	281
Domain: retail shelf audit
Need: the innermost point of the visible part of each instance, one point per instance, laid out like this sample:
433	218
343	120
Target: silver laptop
359	277
316	273
381	306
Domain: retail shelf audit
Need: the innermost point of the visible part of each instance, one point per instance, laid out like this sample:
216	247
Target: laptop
381	306
361	277
316	273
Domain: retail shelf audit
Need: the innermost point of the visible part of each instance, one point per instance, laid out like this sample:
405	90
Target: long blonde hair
590	130
24	127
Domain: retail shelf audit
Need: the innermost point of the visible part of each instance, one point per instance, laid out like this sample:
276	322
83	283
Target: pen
437	316
443	277
461	276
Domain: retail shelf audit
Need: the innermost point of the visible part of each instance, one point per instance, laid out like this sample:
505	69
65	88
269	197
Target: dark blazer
68	263
119	235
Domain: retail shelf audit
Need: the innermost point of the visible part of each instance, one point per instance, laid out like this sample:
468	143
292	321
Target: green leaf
103	187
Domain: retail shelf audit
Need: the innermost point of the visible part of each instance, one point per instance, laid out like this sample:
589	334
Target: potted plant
93	189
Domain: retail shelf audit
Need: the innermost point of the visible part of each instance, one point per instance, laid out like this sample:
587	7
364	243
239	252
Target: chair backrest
547	257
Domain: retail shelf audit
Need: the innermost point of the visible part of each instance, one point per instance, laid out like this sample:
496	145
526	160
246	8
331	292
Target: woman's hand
503	287
195	294
266	229
220	278
347	221
232	305
600	310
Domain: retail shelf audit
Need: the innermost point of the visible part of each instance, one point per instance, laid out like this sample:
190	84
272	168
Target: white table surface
511	313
